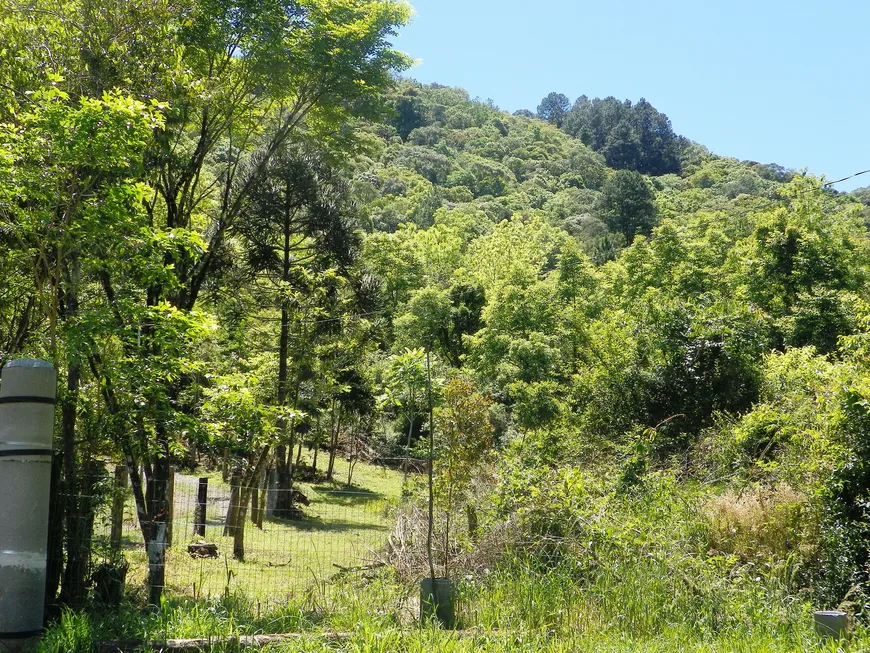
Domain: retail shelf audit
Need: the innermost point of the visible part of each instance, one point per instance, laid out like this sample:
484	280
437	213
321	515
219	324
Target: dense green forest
236	227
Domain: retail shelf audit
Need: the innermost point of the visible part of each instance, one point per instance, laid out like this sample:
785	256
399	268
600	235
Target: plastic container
27	397
831	623
437	600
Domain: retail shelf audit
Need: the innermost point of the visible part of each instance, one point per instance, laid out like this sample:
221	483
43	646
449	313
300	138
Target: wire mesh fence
223	539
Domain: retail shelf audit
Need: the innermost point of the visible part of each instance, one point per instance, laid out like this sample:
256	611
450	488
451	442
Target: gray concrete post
27	397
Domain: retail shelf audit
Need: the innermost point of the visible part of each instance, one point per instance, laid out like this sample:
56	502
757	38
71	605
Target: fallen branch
204	644
351	570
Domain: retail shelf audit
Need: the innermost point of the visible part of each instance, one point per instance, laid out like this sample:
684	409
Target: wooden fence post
118	500
201	501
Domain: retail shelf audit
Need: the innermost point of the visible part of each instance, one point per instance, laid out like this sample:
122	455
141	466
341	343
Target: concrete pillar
27	397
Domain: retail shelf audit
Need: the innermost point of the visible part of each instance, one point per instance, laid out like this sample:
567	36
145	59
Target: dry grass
466	553
761	522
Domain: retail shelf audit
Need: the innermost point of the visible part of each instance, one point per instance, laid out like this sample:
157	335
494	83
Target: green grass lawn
342	527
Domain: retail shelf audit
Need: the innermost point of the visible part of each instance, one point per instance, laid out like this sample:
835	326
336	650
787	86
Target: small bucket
437	599
831	623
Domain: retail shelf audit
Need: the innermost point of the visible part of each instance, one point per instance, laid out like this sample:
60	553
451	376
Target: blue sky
768	80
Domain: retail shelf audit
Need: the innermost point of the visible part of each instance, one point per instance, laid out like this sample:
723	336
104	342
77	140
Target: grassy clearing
343	526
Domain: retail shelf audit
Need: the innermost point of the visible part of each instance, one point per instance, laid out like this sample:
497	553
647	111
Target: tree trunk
73	592
232	520
264	493
192	454
292	430
314	459
473	528
258	493
255	502
407	460
239	532
245	492
170	507
118	499
155	533
333	440
351	463
317	436
299	454
360	440
284	503
151	503
54	562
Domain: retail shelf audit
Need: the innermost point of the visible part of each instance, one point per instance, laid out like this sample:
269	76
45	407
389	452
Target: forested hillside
265	245
593	301
709	321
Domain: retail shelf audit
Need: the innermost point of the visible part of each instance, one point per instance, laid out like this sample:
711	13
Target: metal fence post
170	513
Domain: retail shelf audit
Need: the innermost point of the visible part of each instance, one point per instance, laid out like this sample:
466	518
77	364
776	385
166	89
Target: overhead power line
837	181
754	209
781	200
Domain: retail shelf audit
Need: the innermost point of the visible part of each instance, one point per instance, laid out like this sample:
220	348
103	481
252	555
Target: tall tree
554	108
628	204
630	136
71	192
296	227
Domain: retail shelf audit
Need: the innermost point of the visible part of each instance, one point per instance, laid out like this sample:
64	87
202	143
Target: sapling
464	436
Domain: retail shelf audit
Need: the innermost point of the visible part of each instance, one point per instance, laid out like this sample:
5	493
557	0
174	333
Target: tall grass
634	607
586	569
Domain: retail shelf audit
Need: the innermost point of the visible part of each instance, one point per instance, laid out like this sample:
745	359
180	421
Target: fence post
255	498
27	400
170	497
261	507
272	492
201	501
118	501
225	465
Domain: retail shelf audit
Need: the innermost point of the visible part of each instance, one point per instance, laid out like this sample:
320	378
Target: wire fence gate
327	531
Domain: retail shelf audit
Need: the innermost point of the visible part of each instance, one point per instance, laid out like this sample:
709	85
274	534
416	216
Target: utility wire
754	209
781	200
837	181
